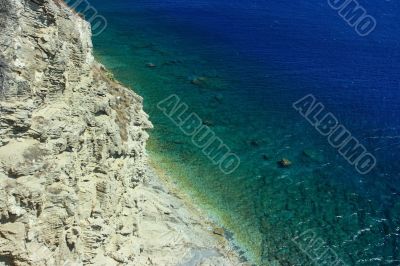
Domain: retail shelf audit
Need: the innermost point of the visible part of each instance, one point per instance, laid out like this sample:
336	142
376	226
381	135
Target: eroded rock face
72	146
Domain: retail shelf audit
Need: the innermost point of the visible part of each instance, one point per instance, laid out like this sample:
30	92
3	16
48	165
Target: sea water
240	66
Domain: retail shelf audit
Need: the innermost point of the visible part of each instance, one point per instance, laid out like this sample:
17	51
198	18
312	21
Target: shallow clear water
240	66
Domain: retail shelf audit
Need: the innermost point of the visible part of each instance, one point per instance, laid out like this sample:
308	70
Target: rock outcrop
74	185
72	146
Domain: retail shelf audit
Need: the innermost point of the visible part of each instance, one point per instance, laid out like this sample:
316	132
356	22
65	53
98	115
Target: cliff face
74	185
72	146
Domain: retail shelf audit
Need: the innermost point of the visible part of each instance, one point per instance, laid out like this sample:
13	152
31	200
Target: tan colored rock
74	184
73	141
285	163
219	231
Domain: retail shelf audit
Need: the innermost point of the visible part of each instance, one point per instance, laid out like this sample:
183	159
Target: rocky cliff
72	147
74	185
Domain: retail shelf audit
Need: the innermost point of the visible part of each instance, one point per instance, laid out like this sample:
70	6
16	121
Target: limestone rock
72	144
73	170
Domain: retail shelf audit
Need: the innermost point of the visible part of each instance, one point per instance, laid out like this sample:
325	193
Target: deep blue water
254	59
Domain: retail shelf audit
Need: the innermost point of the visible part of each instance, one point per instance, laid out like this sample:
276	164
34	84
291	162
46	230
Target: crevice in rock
6	261
12	218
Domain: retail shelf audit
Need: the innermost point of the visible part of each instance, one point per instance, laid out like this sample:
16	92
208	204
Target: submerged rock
219	98
219	231
172	62
208	122
151	65
313	155
199	81
255	143
265	157
284	163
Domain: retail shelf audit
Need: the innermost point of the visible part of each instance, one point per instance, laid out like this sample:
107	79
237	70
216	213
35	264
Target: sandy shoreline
175	231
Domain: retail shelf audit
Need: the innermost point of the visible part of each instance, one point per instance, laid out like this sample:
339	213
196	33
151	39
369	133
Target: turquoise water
240	69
